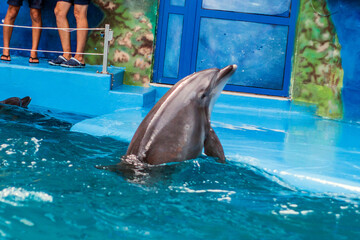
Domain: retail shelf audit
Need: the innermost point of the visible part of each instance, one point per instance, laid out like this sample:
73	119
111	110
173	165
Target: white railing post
108	36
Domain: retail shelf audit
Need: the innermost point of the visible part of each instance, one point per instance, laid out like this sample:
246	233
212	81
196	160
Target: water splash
18	196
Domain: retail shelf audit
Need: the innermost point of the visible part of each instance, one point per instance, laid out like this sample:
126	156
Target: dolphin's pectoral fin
213	147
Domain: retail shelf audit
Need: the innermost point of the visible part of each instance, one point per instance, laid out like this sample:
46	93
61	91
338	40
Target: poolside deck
84	91
285	139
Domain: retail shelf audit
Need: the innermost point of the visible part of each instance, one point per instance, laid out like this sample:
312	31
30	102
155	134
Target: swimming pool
49	188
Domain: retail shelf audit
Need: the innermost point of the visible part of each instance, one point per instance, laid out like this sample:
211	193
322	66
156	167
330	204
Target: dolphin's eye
202	95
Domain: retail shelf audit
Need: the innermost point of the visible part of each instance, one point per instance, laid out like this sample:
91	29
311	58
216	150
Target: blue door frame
192	13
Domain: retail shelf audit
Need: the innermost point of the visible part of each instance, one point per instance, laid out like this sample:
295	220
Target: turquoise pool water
49	189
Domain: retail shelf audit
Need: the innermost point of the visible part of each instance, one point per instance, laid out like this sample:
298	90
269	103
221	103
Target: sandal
58	61
8	59
33	60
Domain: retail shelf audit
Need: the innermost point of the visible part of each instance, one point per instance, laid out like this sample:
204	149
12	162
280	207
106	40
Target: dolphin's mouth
219	83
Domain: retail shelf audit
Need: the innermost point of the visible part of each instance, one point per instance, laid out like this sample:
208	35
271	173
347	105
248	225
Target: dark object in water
15	109
23	102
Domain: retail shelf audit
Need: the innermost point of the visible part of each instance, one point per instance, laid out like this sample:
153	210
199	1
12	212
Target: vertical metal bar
187	42
106	48
161	36
158	44
195	32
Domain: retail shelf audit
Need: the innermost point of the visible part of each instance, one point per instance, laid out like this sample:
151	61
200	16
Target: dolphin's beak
222	77
227	72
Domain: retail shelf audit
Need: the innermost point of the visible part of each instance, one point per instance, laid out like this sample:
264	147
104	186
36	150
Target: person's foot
80	58
33	57
33	60
5	57
58	61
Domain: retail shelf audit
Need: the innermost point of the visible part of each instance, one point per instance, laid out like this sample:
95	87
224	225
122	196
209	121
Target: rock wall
317	70
133	23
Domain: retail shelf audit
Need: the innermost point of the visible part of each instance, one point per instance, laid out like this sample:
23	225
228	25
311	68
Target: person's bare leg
80	13
35	15
10	17
61	10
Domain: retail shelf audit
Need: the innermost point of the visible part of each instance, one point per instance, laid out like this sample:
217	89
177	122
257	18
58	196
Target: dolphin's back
172	129
24	102
135	144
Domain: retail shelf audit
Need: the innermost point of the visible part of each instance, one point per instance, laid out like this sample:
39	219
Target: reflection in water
293	141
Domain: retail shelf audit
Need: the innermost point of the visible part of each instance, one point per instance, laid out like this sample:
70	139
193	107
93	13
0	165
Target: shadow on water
39	117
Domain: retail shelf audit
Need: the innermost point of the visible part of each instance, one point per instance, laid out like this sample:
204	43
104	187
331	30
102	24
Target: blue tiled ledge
82	91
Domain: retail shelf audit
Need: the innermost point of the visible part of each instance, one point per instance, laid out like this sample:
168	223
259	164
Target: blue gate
257	35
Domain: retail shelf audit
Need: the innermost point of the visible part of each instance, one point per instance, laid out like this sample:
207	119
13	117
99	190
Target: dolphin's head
209	83
25	102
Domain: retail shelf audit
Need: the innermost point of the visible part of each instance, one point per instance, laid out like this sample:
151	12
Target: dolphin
178	127
23	102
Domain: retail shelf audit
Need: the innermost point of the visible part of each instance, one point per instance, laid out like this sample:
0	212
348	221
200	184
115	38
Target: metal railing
108	36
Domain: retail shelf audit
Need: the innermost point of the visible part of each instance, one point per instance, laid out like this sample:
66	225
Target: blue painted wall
346	17
50	38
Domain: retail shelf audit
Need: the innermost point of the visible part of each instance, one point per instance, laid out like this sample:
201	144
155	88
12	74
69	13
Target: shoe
8	59
33	60
58	61
73	63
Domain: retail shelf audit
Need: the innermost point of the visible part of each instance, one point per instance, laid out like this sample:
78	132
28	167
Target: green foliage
318	74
